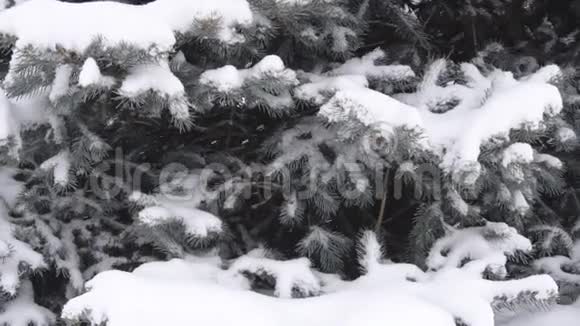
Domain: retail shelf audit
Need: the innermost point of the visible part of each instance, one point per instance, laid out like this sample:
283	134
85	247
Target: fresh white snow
318	89
46	23
555	267
164	207
61	83
197	222
223	79
156	77
372	108
290	275
519	203
548	160
462	131
382	297
7	124
23	311
566	134
458	134
19	115
20	251
90	75
11	188
228	78
366	66
137	302
196	289
521	153
490	244
60	166
559	316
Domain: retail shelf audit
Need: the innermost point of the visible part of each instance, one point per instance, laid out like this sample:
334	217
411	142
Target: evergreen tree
93	112
274	145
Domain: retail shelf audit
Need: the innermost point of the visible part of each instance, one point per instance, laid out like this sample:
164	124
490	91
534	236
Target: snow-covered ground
568	315
197	290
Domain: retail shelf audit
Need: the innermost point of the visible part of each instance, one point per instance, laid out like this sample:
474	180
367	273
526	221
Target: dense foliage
289	126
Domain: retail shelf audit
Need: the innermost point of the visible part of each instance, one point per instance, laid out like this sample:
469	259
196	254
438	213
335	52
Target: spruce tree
278	146
94	111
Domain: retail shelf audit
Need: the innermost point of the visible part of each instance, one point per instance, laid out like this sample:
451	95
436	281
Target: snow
224	79
477	250
457	202
195	289
353	74
7	123
10	189
519	202
316	91
195	292
554	266
19	115
180	14
455	135
365	66
268	64
191	186
490	243
545	74
459	133
21	253
566	134
151	26
549	160
370	252
462	131
29	112
60	165
559	316
372	108
291	211
575	254
156	77
22	311
5	249
165	207
406	167
191	297
9	3
197	222
228	78
291	275
60	85
90	75
519	153
269	70
472	308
